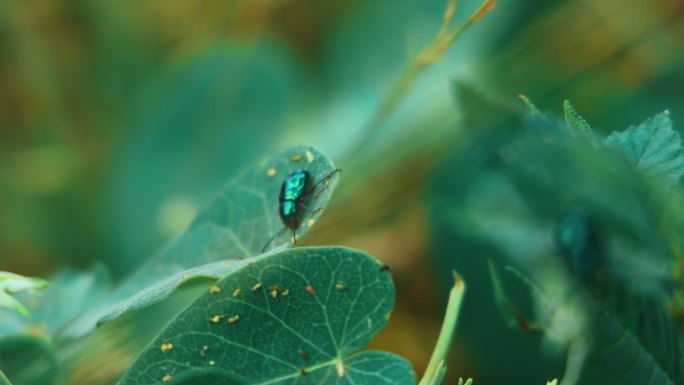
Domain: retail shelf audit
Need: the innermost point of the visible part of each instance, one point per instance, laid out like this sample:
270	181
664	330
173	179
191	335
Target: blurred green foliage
119	121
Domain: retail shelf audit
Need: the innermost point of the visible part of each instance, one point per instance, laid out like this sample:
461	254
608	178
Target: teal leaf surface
615	355
235	226
294	317
71	293
28	360
653	146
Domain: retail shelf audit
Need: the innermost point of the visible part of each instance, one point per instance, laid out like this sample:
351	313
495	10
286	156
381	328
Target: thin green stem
436	367
430	54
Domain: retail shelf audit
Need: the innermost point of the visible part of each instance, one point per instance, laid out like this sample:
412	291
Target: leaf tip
458	281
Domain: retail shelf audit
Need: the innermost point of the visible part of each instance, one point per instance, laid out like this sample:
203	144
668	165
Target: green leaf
13	283
71	293
473	211
4	380
653	146
531	108
28	360
503	199
575	121
297	316
201	119
235	226
615	355
508	310
614	334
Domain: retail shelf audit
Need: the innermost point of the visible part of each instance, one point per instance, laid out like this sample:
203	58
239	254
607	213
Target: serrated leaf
236	225
614	335
506	201
653	146
575	121
615	355
297	316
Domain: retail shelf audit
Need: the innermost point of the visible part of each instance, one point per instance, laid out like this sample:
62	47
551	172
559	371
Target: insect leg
309	210
294	235
323	179
272	238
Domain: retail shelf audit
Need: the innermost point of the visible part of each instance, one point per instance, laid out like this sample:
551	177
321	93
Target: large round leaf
297	316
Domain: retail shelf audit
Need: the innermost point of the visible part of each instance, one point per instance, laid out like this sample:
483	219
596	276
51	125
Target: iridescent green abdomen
290	195
293	187
288	211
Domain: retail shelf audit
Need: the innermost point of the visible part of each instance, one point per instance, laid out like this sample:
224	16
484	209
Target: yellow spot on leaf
166	347
214	289
236	292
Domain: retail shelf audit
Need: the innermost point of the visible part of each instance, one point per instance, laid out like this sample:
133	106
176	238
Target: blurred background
118	120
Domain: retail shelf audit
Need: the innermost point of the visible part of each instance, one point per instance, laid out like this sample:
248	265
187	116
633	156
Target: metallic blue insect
578	239
295	191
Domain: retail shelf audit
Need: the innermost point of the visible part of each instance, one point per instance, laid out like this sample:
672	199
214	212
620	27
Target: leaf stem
430	54
436	367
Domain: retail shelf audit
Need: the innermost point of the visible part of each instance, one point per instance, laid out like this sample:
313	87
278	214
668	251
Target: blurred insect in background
577	238
294	193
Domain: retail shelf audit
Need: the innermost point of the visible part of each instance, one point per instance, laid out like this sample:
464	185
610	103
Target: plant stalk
436	367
